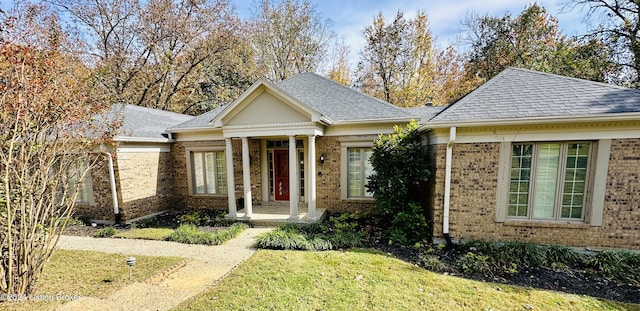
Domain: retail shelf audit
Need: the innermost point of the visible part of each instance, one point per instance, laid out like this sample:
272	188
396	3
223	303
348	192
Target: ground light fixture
130	262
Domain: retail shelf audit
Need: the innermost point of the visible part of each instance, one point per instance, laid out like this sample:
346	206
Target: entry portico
280	122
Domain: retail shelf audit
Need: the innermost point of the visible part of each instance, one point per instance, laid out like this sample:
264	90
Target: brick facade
473	200
327	180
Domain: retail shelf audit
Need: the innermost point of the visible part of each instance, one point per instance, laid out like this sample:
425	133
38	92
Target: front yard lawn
83	273
370	280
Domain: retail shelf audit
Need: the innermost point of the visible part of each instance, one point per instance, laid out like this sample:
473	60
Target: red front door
281	170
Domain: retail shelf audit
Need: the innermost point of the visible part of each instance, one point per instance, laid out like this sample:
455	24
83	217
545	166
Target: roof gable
524	94
265	103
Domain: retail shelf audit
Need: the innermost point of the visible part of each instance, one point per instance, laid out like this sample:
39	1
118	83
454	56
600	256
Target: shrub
431	262
472	263
399	184
521	254
191	234
106	232
192	218
283	238
560	256
619	265
309	237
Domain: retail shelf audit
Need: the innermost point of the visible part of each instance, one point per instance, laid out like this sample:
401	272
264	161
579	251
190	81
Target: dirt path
209	265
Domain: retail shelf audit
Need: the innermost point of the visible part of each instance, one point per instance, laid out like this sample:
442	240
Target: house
299	147
527	156
539	158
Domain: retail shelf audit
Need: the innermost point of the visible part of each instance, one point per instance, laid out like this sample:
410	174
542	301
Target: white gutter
447	182
112	179
630	116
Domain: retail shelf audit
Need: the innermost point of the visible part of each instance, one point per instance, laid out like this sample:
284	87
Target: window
208	172
358	171
549	180
85	189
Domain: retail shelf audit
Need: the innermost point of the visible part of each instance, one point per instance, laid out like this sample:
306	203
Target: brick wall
219	202
328	183
473	201
102	208
145	183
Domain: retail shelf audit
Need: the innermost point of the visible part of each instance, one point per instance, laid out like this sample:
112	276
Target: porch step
268	216
281	204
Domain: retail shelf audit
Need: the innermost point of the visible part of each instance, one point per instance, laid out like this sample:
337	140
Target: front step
267	216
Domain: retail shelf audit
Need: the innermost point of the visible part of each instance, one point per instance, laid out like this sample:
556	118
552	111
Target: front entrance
281	174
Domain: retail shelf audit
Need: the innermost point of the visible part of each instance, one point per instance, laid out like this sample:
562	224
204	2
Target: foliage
620	265
106	232
182	56
430	262
472	263
401	65
191	234
47	139
399	183
340	232
192	218
289	37
617	24
531	40
340	71
561	255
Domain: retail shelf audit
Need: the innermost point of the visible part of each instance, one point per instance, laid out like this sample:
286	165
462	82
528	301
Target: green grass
93	274
369	280
160	234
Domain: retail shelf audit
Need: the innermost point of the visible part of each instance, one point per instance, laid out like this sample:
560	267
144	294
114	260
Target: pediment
266	108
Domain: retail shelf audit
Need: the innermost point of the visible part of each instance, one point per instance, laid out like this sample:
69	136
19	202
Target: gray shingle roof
520	94
424	113
336	101
201	121
141	123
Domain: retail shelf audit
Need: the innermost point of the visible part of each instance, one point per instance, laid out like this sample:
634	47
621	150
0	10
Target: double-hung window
358	171
83	183
208	172
549	181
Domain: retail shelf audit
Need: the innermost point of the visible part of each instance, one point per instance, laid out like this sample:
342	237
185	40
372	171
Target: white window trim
596	186
190	176
344	162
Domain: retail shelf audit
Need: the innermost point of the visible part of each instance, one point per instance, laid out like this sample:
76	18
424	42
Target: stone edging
158	277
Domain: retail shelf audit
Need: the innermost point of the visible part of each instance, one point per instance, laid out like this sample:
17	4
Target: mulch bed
574	281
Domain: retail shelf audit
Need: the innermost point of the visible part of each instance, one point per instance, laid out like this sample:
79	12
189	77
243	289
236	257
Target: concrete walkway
209	265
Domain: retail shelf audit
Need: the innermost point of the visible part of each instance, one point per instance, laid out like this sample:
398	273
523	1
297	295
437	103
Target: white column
231	185
246	178
311	176
293	178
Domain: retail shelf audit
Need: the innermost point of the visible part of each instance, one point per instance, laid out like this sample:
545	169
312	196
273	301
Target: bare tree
46	142
289	37
617	23
159	53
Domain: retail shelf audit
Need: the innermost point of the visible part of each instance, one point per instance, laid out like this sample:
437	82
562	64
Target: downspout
114	194
447	186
